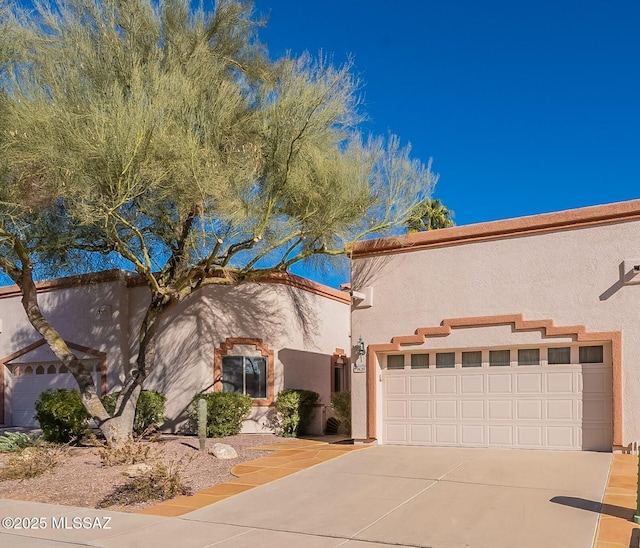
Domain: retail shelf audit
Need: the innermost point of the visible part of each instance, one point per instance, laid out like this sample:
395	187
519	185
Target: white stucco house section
301	323
573	268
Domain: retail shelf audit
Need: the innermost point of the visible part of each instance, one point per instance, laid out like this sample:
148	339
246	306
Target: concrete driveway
432	497
390	496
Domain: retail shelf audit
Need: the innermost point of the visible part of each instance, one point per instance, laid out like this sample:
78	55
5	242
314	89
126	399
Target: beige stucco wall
302	328
571	276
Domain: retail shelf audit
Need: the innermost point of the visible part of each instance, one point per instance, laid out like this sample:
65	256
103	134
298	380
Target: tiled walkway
616	528
287	459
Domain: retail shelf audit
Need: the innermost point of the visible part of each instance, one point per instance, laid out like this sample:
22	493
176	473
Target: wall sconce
360	366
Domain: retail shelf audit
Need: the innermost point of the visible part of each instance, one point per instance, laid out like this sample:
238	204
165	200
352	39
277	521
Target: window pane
472	359
559	355
419	361
232	378
528	356
591	354
499	357
255	370
395	362
445	359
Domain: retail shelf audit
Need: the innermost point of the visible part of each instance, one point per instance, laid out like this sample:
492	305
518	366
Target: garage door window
591	354
445	359
559	356
419	361
528	356
472	359
395	362
498	358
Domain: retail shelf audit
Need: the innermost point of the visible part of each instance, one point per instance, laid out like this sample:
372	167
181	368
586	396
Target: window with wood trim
245	365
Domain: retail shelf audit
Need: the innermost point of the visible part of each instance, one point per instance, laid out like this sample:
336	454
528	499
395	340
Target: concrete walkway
380	497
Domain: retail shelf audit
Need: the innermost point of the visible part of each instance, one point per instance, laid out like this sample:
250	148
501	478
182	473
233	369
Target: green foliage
161	483
429	215
294	410
225	412
163	136
149	410
341	402
32	461
13	442
61	415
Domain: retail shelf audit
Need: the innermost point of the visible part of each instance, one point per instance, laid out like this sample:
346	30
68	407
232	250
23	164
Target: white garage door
29	381
545	406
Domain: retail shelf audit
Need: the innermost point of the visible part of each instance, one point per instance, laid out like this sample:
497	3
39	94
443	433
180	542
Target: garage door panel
529	409
500	436
421	434
396	433
561	383
396	409
499	384
420	409
472	409
529	383
396	385
500	409
446	409
561	410
473	435
446	384
529	436
560	437
446	434
419	385
472	384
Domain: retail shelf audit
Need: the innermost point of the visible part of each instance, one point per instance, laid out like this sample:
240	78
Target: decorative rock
137	470
223	451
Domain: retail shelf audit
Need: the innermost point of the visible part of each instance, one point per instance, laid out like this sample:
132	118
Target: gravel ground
82	480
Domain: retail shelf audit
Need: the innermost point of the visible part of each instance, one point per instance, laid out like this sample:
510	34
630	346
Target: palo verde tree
167	137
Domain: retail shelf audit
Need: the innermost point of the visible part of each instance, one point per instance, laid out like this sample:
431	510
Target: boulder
223	451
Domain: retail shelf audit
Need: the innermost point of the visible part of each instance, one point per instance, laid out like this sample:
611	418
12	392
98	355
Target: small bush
17	441
61	415
32	461
341	402
161	483
294	410
225	412
130	452
149	411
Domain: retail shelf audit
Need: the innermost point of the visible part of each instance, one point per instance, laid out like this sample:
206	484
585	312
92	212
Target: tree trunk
88	391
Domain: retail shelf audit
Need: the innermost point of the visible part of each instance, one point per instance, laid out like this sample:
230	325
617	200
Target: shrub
32	461
17	441
161	483
225	412
61	415
149	411
294	410
130	452
341	402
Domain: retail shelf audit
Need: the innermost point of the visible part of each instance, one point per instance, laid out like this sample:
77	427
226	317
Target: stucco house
285	332
517	333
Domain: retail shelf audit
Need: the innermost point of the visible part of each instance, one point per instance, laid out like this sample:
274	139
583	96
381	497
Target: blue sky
525	107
